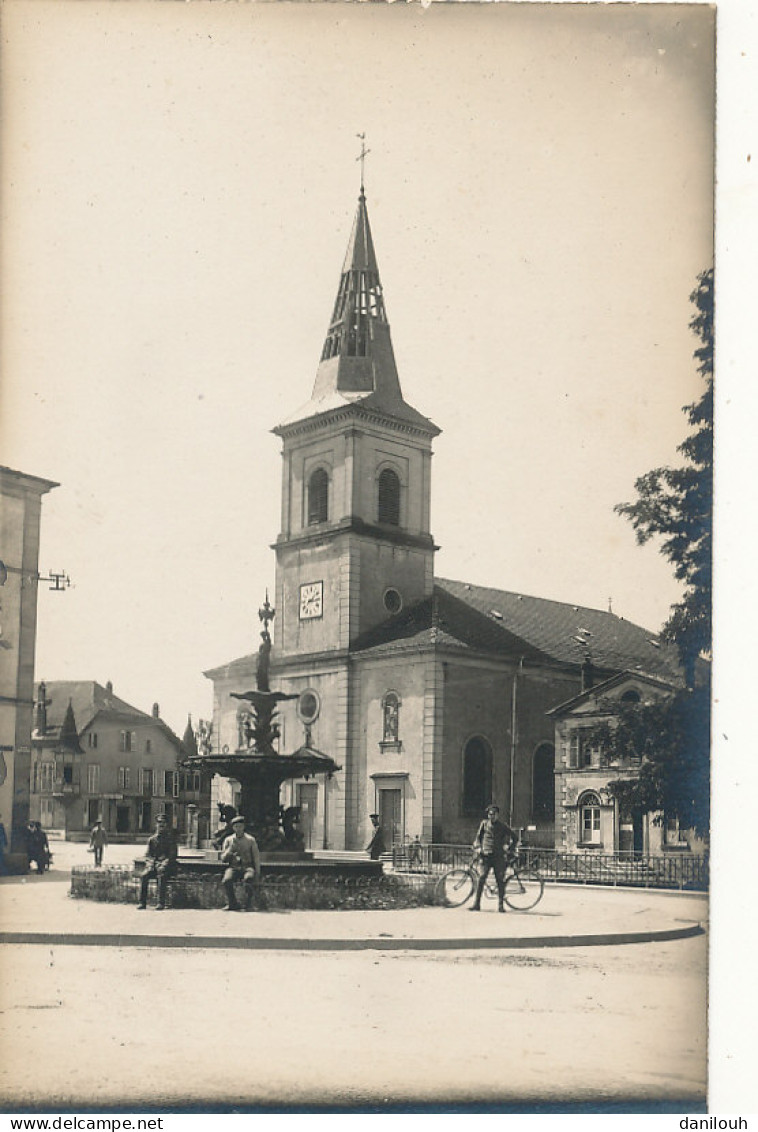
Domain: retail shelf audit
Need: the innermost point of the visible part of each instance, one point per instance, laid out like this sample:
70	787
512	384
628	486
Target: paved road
94	1027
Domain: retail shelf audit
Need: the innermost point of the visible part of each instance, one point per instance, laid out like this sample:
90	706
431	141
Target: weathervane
362	155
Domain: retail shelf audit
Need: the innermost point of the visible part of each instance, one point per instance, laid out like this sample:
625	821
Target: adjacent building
96	756
432	695
20	513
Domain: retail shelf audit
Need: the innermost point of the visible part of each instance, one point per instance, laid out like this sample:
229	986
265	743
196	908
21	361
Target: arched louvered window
477	776
543	782
318	497
389	498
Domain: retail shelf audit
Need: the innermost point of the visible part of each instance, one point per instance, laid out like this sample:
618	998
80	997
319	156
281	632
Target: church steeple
357	362
357	356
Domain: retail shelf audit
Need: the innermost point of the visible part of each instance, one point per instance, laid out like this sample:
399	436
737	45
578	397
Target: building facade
432	695
96	756
590	818
20	513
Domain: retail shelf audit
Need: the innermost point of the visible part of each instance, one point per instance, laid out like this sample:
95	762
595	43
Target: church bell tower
355	546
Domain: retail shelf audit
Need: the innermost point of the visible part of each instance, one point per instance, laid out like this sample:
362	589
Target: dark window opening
318	497
477	776
389	498
543	784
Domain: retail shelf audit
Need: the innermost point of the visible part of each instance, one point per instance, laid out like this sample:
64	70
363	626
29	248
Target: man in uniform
161	862
97	841
489	844
240	853
376	845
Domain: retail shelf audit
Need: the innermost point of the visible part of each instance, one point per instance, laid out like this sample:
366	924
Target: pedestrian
243	861
3	847
161	862
37	846
98	839
376	845
489	845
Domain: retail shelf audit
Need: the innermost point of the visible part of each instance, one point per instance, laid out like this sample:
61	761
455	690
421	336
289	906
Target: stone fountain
260	770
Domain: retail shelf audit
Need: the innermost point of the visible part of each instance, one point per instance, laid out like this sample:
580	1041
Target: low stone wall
120	885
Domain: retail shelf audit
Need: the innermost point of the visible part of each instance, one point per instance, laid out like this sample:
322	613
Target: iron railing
677	871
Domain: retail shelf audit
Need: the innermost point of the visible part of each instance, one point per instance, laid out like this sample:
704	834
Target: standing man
489	844
240	853
161	862
376	845
97	841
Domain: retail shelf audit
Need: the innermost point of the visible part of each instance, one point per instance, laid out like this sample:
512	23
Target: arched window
477	776
589	818
630	697
318	497
391	718
543	782
389	497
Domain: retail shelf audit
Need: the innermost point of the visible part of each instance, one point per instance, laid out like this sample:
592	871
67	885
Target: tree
676	504
672	737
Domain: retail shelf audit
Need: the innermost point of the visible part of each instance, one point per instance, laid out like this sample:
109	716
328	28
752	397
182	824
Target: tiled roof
89	699
484	619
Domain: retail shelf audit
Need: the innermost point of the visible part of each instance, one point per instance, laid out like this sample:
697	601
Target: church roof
483	619
357	366
89	699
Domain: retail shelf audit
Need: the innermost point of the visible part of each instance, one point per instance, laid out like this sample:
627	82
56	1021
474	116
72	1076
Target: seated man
240	853
161	862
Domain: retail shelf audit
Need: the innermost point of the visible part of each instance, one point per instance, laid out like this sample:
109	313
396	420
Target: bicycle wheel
523	890
455	887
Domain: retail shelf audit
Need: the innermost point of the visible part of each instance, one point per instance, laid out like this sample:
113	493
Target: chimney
109	687
588	673
40	709
156	711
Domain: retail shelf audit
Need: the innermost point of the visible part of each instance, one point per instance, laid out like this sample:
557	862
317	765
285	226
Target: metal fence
679	871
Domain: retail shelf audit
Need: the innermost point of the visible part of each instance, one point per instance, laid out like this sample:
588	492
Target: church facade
431	695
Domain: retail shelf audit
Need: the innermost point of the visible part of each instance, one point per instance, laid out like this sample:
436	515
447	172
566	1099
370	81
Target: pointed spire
69	736
189	743
358	362
358	336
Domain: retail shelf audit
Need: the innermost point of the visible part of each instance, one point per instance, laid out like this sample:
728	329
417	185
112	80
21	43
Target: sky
179	187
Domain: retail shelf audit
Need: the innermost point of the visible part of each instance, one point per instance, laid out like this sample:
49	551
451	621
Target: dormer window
318	497
389	498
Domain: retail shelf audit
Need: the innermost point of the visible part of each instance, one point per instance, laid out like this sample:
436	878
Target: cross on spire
362	155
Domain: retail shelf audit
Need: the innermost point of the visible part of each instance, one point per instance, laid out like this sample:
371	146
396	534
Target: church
432	696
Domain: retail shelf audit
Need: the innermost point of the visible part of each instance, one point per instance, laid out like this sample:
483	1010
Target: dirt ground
98	1027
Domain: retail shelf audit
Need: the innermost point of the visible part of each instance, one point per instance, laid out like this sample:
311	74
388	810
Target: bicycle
523	887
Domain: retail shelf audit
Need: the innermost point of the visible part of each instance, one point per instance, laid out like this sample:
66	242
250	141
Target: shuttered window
389	498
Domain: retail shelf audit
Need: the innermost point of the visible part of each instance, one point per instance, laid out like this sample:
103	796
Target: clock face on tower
311	600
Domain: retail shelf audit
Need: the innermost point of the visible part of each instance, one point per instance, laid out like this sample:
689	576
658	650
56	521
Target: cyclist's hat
238	818
492	806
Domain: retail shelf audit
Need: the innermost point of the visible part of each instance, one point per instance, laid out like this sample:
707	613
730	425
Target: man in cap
98	839
243	861
489	844
161	862
376	845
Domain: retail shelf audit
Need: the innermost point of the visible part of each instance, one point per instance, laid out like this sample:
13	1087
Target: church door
390	816
307	800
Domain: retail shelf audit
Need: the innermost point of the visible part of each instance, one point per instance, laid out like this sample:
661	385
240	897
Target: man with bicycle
489	845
